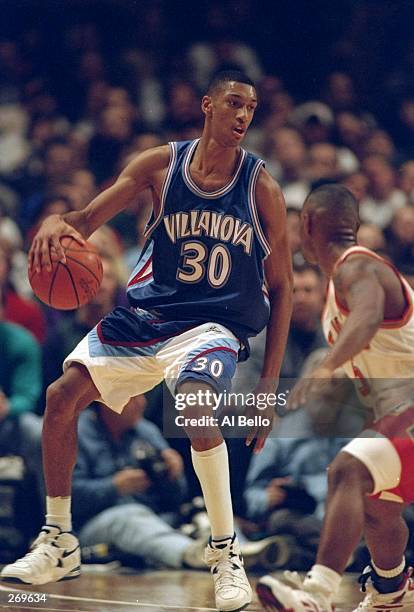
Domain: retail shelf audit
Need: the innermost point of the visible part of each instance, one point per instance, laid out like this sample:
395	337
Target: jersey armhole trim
164	190
387	323
253	208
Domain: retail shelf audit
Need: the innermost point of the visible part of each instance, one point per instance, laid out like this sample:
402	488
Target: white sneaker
233	591
400	600
276	595
53	556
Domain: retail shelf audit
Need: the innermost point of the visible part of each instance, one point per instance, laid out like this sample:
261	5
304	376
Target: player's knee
348	472
59	397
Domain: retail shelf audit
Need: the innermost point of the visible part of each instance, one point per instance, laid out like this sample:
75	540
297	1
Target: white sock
212	469
58	512
392	573
325	578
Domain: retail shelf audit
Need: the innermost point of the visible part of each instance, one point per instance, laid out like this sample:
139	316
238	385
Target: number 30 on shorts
197	261
215	367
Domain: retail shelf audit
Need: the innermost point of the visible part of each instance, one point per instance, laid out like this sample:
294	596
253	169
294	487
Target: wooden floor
163	591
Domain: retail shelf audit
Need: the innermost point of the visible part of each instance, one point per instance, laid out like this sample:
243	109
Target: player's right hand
46	245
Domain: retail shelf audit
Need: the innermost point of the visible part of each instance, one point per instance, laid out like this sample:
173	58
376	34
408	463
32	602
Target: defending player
369	322
198	292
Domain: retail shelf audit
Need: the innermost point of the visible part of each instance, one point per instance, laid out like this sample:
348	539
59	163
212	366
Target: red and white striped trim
164	190
387	323
209	194
143	274
253	208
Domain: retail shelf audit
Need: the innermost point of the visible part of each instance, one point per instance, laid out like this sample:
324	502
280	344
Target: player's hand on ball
46	246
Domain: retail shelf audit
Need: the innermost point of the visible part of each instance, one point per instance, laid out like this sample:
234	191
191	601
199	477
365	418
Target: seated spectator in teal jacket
20	386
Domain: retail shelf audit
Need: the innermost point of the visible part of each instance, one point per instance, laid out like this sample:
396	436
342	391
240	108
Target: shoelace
293	578
229	563
364	578
227	576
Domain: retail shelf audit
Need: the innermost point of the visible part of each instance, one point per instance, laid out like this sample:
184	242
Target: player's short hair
225	76
337	206
333	198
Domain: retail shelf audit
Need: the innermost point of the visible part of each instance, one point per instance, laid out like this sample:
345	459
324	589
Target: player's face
231	109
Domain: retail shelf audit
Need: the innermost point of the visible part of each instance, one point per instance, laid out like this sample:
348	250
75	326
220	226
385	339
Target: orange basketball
73	284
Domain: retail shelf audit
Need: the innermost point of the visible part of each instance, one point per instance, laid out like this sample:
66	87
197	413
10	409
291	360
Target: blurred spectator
50	205
114	132
110	246
183	109
20	387
314	120
59	164
340	92
68	331
372	237
305	333
357	183
81	189
293	232
16	308
286	154
322	162
352	131
125	480
384	198
406	182
401	236
380	143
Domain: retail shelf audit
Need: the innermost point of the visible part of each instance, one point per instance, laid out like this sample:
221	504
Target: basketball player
369	323
197	293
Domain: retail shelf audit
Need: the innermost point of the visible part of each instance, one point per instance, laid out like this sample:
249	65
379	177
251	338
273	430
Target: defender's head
229	106
329	218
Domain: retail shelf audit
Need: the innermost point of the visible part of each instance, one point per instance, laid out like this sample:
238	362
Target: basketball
72	284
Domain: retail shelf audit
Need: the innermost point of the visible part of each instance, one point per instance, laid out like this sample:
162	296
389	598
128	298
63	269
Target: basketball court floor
163	591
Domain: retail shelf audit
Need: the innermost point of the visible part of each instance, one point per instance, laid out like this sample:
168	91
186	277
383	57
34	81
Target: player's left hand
265	412
174	462
313	385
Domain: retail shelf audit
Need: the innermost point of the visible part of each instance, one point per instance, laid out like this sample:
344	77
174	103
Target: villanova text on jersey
203	259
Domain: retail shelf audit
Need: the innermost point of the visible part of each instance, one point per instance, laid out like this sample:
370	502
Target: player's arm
279	278
278	272
137	176
359	289
358	285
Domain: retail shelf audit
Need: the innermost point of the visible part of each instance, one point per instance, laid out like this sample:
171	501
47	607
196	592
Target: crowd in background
78	102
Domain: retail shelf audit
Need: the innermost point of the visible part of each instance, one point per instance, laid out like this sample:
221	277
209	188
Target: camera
149	459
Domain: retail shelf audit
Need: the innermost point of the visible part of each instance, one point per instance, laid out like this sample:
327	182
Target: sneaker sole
75	573
243	607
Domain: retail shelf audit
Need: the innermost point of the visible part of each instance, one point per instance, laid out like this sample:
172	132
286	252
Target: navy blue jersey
203	259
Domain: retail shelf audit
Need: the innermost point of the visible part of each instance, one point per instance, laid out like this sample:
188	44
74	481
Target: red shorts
398	427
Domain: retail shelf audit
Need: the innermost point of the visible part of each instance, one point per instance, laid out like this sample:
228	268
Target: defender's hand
46	243
313	385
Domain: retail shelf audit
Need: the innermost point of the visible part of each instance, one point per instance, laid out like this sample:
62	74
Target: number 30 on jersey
198	262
